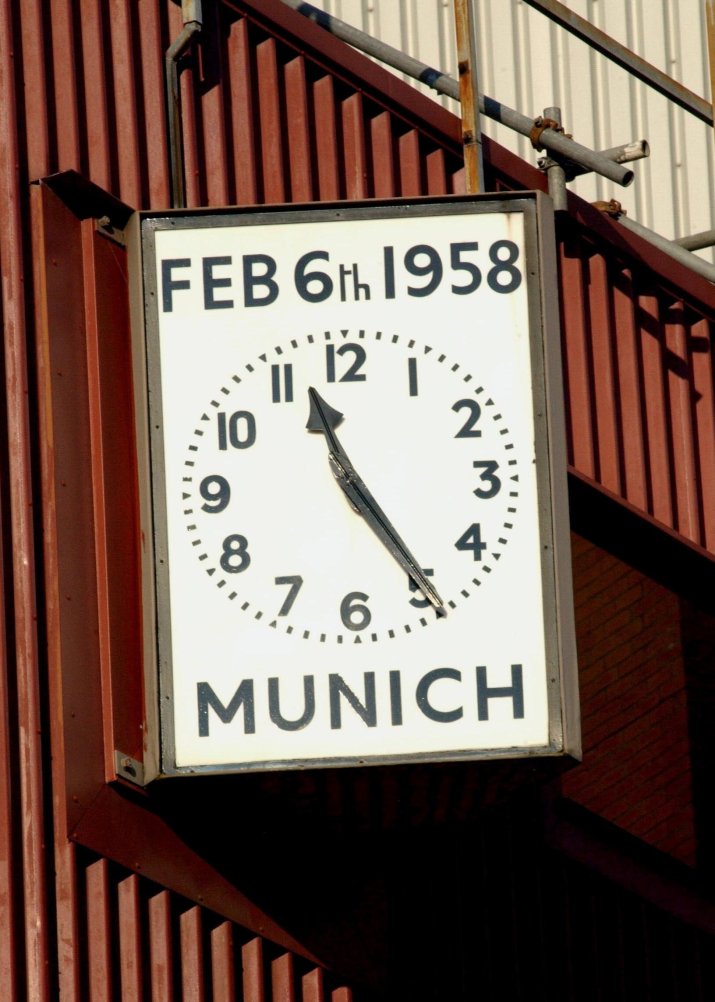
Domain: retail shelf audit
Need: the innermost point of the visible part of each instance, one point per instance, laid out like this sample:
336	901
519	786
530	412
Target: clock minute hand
325	419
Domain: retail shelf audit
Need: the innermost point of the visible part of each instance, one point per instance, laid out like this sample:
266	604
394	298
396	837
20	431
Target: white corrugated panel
529	63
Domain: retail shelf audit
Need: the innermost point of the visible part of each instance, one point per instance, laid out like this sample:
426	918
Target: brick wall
636	769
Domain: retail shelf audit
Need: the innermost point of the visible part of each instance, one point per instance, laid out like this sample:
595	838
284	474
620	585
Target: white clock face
292	630
276	535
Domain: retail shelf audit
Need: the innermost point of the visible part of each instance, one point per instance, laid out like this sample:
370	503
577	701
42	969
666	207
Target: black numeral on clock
295	582
459	264
492	483
504	276
352	374
469	428
471	540
353	611
282	383
419	603
423	260
235	556
237	430
412	376
216	493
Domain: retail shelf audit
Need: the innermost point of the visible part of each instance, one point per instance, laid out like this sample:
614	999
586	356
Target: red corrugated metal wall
265	120
639	376
277	111
140	941
274	111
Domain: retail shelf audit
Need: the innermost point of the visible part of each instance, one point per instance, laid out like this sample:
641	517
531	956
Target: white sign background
204	640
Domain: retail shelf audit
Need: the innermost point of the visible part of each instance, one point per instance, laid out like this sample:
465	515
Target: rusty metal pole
466	31
710	26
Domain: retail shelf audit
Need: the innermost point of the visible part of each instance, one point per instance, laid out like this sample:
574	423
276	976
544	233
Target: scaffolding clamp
540	124
614	209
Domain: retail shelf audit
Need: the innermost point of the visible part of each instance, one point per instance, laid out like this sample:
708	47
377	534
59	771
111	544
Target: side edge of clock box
564	708
152	726
563	704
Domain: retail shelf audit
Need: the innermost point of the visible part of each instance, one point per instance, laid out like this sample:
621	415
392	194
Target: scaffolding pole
549	138
625	58
567	153
467	49
674	249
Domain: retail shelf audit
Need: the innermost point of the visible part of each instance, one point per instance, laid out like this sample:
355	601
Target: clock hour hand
325	419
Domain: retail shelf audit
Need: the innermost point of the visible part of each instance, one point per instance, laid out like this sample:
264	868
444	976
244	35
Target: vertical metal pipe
191	13
466	30
555	174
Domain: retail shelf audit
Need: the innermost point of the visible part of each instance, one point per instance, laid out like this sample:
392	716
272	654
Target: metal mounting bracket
105	227
129	768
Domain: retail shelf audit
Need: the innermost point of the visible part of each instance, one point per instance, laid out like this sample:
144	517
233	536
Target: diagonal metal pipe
697	241
673	248
625	58
549	138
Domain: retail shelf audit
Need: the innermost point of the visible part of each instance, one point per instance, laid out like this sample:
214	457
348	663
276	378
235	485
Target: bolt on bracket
129	768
